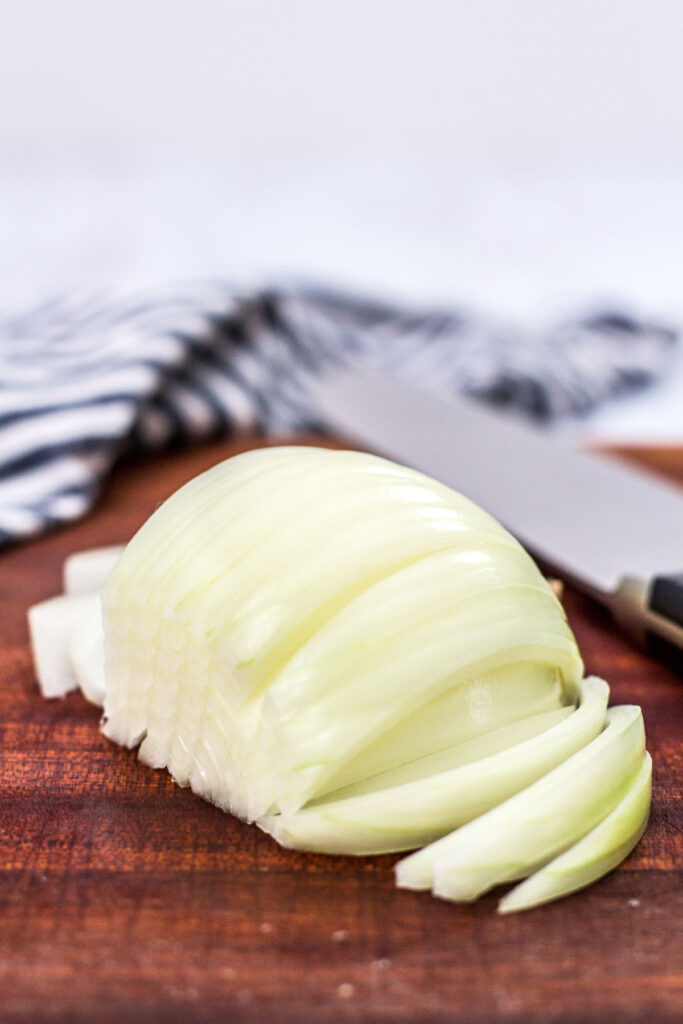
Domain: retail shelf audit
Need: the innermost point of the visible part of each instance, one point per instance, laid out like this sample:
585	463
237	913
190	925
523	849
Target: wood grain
125	898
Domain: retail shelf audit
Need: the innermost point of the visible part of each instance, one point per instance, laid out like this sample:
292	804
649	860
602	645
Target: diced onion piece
86	571
537	823
85	649
286	610
51	626
407	815
595	855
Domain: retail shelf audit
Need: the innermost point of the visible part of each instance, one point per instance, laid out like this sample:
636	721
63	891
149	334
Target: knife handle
652	610
666	600
666	597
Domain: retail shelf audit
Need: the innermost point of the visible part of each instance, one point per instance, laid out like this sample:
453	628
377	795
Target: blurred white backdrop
516	156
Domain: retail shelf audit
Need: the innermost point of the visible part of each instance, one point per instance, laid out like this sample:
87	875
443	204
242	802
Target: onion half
349	653
259	663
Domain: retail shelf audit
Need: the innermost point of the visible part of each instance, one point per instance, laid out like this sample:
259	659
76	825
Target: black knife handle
666	597
652	611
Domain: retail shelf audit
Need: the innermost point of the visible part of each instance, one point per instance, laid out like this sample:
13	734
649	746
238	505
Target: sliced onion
537	823
598	852
362	661
474	749
476	708
410	814
260	663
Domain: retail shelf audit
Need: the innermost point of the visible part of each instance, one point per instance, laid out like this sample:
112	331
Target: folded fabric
83	381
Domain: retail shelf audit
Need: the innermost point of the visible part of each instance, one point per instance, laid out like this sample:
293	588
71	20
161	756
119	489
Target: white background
523	157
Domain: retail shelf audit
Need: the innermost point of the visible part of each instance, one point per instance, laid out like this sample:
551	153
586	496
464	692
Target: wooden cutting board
126	898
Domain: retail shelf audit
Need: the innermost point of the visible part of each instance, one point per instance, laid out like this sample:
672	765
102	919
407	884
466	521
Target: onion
598	852
534	825
400	816
51	626
86	571
86	651
339	648
258	662
67	637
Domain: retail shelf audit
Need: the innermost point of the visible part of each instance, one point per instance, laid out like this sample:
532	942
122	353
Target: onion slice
479	707
598	852
404	816
537	823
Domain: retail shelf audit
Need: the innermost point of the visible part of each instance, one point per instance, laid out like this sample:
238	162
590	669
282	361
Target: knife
614	532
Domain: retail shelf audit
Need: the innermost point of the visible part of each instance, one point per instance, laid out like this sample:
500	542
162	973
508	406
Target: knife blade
612	531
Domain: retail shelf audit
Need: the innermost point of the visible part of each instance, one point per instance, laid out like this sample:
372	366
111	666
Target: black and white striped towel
84	380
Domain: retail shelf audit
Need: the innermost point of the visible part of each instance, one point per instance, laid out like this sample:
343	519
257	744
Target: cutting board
126	898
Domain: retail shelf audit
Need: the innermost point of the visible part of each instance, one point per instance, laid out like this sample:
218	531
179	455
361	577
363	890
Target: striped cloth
84	380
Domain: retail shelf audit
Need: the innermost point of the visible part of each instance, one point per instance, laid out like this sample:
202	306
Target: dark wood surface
125	898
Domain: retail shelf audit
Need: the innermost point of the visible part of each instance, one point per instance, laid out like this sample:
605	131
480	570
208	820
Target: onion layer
403	816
